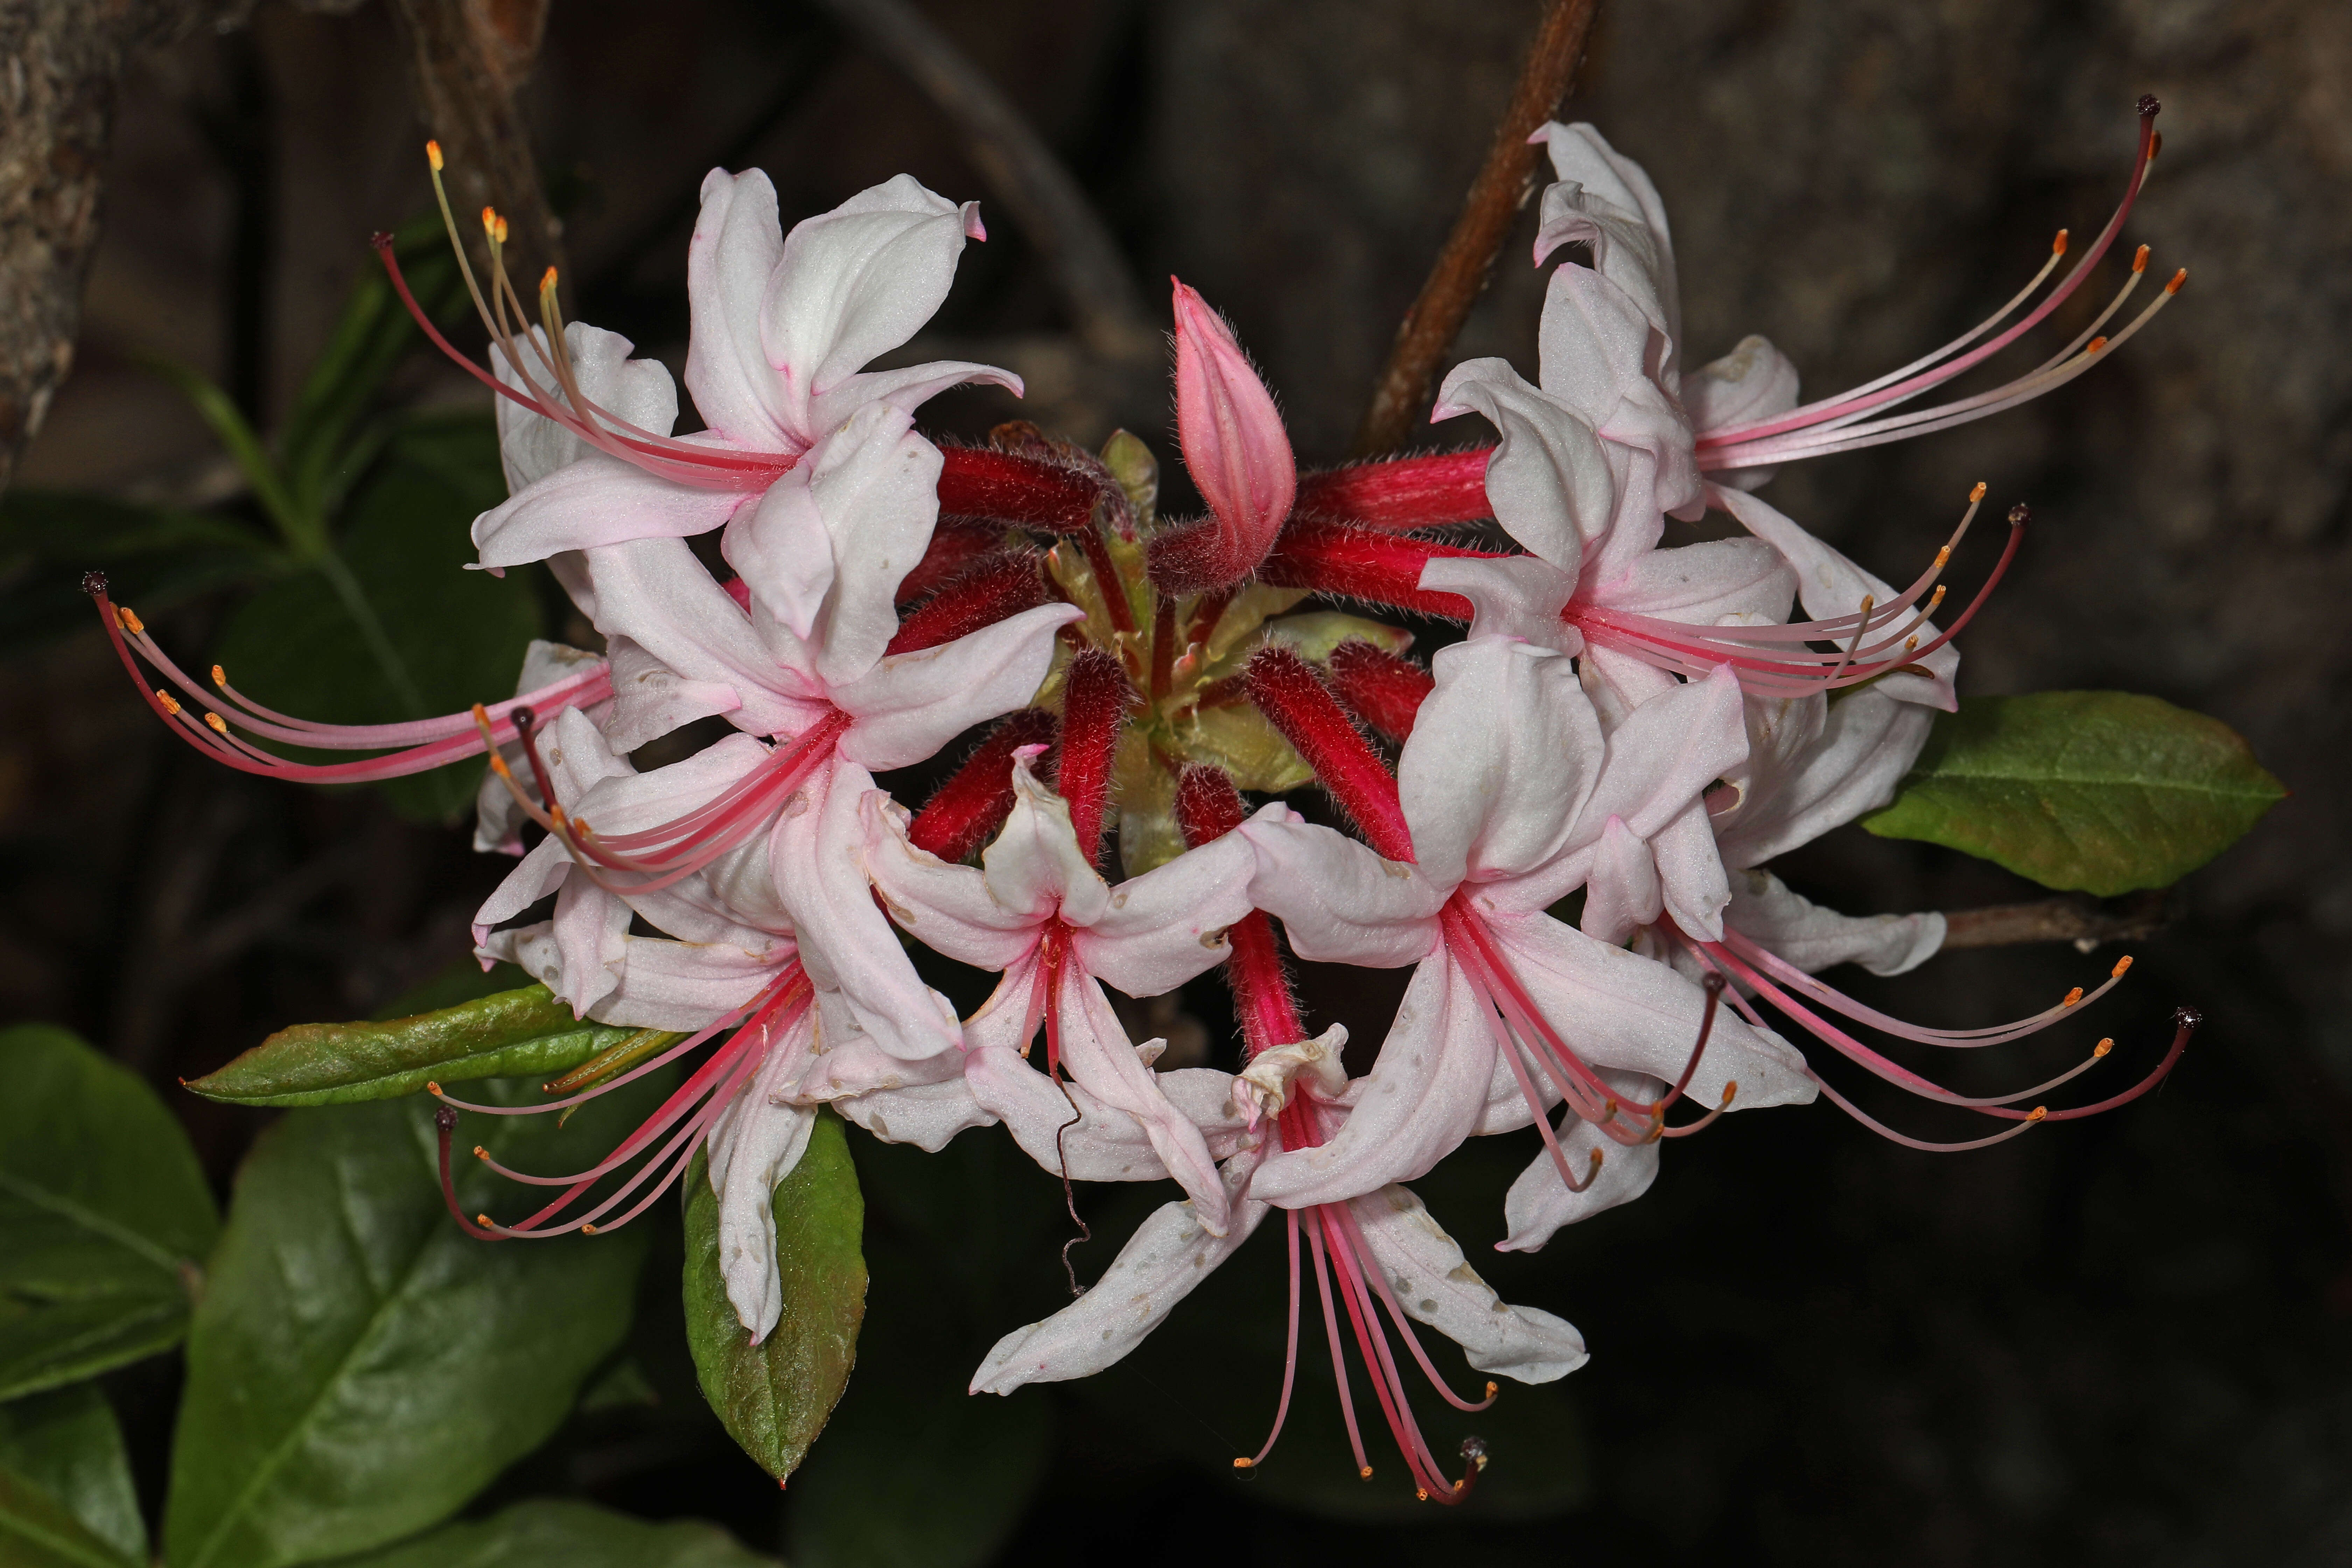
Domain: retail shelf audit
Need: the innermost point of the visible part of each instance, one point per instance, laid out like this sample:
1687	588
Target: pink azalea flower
1504	800
1381	1250
1037	911
1236	450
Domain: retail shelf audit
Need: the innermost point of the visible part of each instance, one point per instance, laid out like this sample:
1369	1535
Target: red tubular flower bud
1208	807
1378	687
1364	563
1237	451
1097	695
1025	488
1401	492
955	545
1000	587
965	812
1296	701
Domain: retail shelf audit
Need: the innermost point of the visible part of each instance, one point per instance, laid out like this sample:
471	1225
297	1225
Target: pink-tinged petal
1098	1058
1235	448
1160	930
656	594
1668	751
1338	901
1579	152
686	985
1814	765
737	245
1034	866
1503	753
764	1141
826	548
598	500
1519	596
1691	877
1436	1284
909	388
1426	1089
854	283
1070	1132
947	907
926	1103
1754	383
1548	482
1814	938
914	703
1828	585
1595	349
1623	892
1625	251
818	860
650	699
1168	1254
1706	584
1539	1203
538	874
636	391
1617	1009
497	816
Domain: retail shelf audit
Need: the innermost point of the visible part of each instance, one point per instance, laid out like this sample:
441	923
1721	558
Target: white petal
1579	152
914	703
1033	865
1504	752
1338	901
737	245
1704	583
1547	480
926	1103
656	594
1426	1089
1100	1058
1754	383
1623	892
1539	1203
636	391
1519	596
1814	938
1436	1284
947	907
1160	930
598	500
650	699
765	1142
1170	1253
1820	766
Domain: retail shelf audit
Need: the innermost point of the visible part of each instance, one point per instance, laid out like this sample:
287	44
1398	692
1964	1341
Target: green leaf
515	1033
454	636
66	1447
359	1367
36	1531
104	1216
773	1397
300	530
2102	791
545	1533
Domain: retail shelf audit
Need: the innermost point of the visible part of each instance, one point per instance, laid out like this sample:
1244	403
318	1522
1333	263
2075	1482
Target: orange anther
433	155
2122	965
587	1230
485	1222
490	222
431	1087
220	725
1244	1464
2140	262
2058	246
2037	1113
547	283
2177	280
1977	494
480	1153
171	704
1729	1089
220	675
130	619
503	231
2103	1047
2072	997
2094	345
1365	1474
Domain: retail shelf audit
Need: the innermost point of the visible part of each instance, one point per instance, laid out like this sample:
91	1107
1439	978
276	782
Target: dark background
2121	1341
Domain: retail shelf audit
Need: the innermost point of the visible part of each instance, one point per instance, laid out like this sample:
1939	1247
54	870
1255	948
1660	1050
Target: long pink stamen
1753	444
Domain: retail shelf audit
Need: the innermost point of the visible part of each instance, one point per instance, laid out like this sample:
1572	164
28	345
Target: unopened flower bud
1236	450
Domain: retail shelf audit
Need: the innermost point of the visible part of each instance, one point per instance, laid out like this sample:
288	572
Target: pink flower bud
1235	448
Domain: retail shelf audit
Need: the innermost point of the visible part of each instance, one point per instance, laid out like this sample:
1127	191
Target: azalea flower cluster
1562	824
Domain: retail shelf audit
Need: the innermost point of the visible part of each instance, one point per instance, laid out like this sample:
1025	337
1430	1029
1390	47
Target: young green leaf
545	1533
773	1397
105	1220
2102	791
36	1531
359	1367
515	1033
66	1447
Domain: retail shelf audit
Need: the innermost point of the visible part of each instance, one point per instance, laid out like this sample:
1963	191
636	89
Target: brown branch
468	58
1501	189
59	62
2077	918
1023	172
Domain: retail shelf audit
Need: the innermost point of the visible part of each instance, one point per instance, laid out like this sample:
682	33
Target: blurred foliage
105	1212
66	1495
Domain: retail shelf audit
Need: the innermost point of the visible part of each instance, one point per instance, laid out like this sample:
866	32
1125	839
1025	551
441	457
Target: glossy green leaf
525	1033
105	1220
64	1449
36	1531
773	1397
2102	791
550	1534
454	636
360	1366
